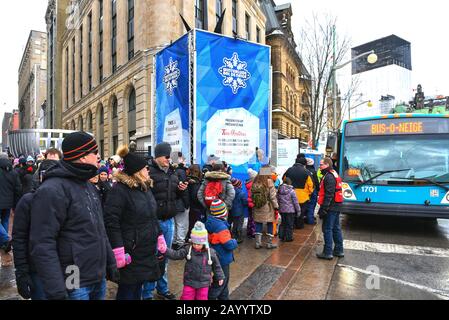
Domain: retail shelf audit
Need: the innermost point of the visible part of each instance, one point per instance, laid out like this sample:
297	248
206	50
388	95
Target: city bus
396	165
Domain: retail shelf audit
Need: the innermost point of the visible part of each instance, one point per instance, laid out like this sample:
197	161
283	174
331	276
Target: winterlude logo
171	76
235	73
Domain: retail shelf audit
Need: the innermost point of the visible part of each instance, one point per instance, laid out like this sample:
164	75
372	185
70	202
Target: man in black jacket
330	212
168	192
311	205
68	242
10	192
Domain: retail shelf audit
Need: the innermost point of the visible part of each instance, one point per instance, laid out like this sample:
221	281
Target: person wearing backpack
263	194
330	198
216	186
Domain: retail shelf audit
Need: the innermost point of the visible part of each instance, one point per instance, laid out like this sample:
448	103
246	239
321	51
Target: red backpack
212	192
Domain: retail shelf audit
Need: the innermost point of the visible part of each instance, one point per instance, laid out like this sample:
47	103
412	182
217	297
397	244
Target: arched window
80	123
89	121
114	107
73	125
287	98
101	115
132	100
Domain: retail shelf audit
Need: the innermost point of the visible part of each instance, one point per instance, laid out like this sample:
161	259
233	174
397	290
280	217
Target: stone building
290	101
107	59
56	19
33	80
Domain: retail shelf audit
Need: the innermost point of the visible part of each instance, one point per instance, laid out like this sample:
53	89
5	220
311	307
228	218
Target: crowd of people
79	220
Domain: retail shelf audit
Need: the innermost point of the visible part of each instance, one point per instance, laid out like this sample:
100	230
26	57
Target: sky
424	25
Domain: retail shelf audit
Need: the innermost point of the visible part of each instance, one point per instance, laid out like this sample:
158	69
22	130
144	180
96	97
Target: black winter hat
162	150
133	163
77	145
302	161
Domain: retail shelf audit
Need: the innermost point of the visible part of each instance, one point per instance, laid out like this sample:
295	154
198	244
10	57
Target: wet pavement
385	258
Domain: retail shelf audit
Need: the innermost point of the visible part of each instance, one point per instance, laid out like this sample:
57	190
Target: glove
112	274
161	244
322	213
122	259
24	285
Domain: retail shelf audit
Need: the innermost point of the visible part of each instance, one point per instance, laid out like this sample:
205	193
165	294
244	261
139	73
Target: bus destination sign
397	126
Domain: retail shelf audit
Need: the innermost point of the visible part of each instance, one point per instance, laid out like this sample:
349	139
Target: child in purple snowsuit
288	208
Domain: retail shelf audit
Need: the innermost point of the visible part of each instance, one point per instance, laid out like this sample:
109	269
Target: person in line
202	266
197	211
168	191
289	209
132	226
221	241
330	199
182	205
236	214
263	194
310	216
251	225
67	233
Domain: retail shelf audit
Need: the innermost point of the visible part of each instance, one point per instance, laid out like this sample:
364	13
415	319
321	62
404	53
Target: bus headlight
348	194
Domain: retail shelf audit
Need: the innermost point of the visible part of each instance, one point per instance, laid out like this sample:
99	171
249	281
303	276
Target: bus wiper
427	180
379	173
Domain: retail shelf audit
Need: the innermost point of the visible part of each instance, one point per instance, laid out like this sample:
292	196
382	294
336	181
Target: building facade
56	19
5	128
33	80
290	101
387	82
107	59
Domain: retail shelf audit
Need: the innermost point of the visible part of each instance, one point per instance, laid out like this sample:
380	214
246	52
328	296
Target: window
67	77
114	109
200	15
89	121
130	29
89	18
73	70
247	27
258	35
218	9
80	123
114	36
132	101
101	116
114	143
81	62
234	17
100	53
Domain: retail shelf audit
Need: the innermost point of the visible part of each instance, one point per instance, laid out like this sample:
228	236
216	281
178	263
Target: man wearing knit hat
169	192
220	239
68	241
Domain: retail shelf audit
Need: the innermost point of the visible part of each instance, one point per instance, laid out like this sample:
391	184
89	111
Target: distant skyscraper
388	81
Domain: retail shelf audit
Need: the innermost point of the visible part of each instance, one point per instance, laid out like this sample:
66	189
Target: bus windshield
404	159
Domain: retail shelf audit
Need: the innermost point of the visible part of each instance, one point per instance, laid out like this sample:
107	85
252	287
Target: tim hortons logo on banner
171	76
234	73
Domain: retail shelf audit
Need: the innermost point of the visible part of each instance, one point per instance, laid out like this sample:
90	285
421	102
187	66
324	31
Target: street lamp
370	104
372	58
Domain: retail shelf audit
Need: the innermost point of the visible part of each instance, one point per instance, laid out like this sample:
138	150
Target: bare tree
316	51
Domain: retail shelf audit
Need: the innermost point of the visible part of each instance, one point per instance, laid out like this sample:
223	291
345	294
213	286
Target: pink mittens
122	259
161	244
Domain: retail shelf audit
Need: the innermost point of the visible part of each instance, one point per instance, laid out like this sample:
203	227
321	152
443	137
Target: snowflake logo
234	73
171	76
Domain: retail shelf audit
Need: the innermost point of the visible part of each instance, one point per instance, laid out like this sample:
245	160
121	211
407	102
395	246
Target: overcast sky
424	25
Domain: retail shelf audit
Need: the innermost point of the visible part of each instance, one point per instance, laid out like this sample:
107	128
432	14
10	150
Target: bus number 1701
369	189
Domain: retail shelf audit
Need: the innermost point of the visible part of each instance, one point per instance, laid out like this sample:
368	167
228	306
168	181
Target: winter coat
104	188
301	181
67	229
181	171
288	203
220	239
26	175
10	186
197	271
266	213
43	167
131	222
239	203
21	236
165	190
249	185
196	208
329	184
228	193
314	176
